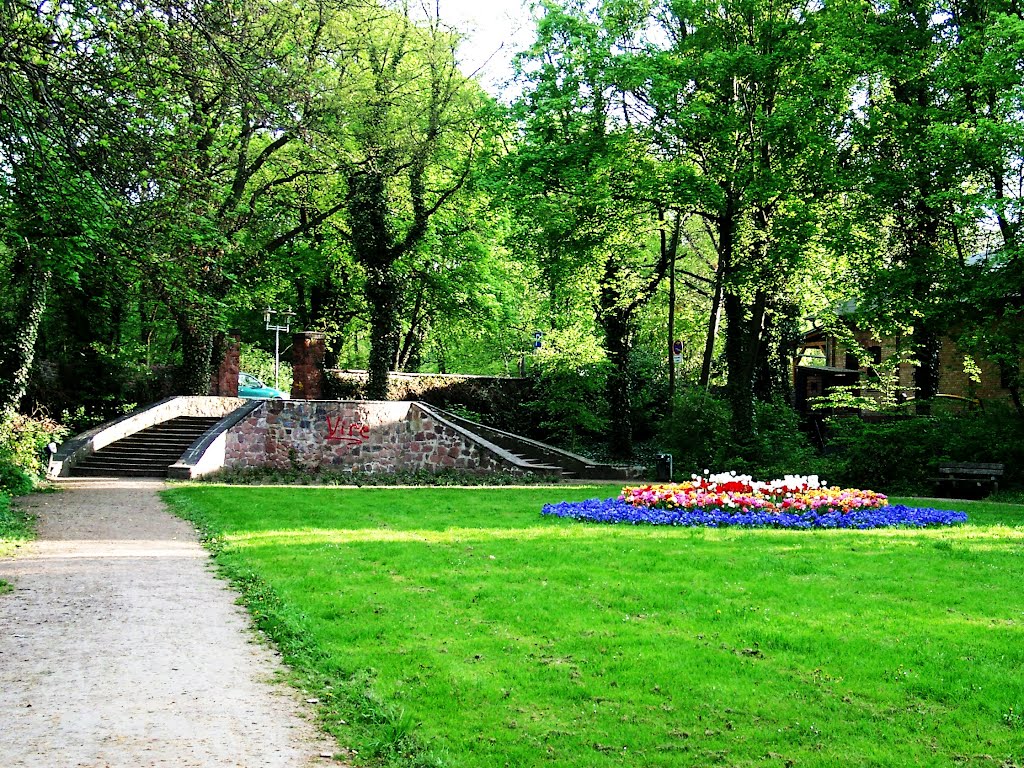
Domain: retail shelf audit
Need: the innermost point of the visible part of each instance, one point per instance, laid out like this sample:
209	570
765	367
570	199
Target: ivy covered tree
403	131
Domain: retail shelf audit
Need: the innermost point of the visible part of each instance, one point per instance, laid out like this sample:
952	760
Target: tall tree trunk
671	306
726	226
373	248
17	363
614	319
618	387
714	318
196	353
382	296
744	326
778	345
926	374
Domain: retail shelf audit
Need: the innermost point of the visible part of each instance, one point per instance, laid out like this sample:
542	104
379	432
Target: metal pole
277	357
671	312
277	328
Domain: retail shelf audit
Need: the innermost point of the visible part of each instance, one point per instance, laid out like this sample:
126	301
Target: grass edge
346	706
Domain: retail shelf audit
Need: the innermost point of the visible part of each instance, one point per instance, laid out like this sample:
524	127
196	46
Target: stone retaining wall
360	436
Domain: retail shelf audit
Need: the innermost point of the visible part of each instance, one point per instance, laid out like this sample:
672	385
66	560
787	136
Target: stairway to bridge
147	453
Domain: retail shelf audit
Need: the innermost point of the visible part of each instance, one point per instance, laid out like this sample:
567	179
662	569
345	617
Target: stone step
156	443
167	456
104	463
81	471
167	433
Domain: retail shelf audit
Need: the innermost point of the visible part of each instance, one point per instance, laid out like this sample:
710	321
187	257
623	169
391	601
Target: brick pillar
225	378
308	350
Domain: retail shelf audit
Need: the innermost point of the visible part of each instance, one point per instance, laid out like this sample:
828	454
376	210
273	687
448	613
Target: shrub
23	456
649	390
902	455
699	436
781	446
13	479
566	402
697	433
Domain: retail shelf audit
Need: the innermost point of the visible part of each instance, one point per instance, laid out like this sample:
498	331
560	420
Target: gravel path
120	649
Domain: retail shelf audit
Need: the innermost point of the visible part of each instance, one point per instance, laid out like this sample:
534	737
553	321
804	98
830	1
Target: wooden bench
959	477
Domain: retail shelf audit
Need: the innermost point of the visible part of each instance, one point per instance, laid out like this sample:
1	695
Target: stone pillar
224	381
308	350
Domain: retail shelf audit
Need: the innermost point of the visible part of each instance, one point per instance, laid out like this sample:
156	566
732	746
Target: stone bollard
308	350
224	382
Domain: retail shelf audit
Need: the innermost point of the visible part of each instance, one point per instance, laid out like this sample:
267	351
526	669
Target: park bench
959	478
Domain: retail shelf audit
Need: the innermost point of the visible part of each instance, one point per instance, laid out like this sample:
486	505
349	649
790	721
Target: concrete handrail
77	448
207	453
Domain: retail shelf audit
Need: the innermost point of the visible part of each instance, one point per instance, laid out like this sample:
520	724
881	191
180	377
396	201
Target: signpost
677	352
268	314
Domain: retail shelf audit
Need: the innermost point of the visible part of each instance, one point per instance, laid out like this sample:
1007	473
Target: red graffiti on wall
347	432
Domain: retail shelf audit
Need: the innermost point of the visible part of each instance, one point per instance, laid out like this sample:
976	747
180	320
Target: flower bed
728	499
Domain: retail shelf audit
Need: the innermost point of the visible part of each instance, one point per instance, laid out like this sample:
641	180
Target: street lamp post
268	316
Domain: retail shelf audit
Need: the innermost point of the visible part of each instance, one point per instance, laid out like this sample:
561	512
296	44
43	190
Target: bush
649	391
902	455
23	455
13	479
697	433
699	436
782	447
567	405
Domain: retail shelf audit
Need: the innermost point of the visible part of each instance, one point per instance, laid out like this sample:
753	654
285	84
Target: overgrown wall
499	399
361	436
953	380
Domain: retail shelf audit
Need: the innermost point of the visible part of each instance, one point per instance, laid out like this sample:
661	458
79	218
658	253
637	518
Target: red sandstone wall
361	436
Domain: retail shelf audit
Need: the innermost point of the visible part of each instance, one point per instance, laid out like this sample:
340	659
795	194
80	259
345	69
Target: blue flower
618	511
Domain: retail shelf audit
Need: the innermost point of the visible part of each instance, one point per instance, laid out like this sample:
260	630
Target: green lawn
459	626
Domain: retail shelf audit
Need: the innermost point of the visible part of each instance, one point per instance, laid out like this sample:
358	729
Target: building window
852	363
876	354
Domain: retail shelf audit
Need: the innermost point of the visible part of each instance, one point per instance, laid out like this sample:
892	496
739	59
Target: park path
119	648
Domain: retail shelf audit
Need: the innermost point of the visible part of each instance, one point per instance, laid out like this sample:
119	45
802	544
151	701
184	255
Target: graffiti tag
347	432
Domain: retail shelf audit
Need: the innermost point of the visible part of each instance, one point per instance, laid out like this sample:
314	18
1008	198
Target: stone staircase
147	453
541	458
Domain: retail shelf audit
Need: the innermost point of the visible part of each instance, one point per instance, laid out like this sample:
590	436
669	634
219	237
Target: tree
912	173
584	182
58	178
742	92
179	115
405	130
